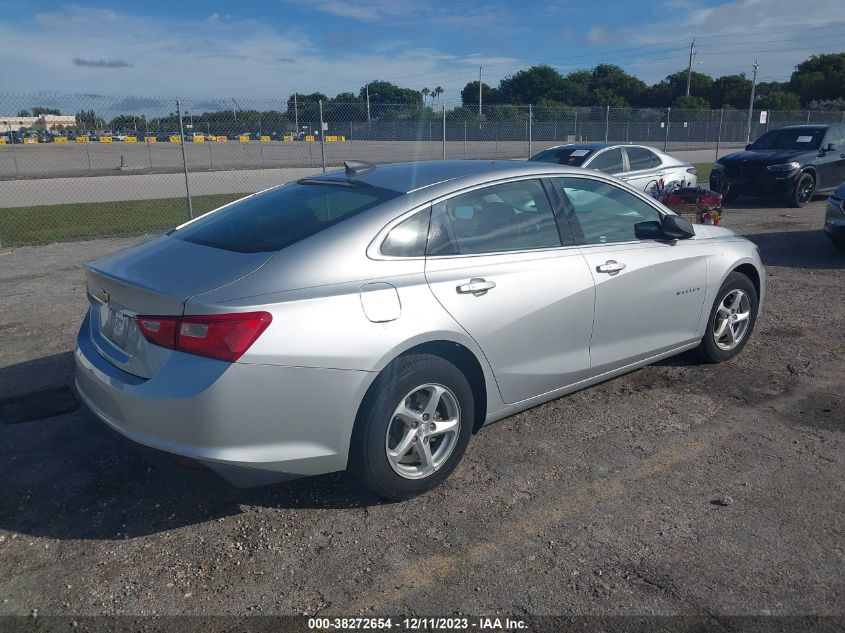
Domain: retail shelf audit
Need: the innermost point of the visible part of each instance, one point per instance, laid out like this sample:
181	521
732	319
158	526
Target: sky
268	49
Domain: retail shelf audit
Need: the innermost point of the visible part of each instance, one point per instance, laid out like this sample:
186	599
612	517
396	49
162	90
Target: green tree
531	85
469	95
820	77
690	103
39	110
731	90
779	100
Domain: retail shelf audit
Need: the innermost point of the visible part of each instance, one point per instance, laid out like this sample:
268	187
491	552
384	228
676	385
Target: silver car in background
373	318
640	166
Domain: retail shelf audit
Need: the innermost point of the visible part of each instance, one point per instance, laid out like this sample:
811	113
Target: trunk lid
154	278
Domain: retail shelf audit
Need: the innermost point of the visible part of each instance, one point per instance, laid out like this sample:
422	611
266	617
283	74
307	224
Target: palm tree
425	92
436	93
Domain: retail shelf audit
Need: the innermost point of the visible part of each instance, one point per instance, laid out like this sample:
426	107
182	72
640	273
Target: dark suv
793	162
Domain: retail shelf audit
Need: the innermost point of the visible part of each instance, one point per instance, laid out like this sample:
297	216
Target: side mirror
830	147
651	230
675	227
748	147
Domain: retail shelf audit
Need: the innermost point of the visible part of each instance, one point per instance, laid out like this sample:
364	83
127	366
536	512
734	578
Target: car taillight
221	336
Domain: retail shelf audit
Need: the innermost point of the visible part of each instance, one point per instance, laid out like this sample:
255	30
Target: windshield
277	218
790	139
563	156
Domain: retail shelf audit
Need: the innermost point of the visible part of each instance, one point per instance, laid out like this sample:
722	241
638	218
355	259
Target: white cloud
780	33
211	56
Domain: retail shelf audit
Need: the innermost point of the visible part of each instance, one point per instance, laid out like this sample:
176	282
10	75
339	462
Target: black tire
802	193
368	459
708	350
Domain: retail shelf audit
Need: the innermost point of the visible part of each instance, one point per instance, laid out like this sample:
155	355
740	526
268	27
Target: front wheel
731	319
802	195
413	427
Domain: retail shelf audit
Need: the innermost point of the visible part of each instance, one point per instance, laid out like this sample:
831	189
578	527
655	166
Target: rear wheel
803	192
730	195
413	427
731	319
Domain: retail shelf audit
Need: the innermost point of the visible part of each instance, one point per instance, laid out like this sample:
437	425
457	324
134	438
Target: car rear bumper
251	424
766	184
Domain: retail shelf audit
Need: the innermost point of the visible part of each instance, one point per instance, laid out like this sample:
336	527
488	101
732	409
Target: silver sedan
640	166
374	318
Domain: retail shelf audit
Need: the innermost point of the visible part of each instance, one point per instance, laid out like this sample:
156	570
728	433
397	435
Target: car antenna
357	167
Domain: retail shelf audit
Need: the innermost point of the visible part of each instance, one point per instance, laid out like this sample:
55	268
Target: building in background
46	122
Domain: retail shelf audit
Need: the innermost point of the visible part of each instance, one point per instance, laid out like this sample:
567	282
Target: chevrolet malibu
374	318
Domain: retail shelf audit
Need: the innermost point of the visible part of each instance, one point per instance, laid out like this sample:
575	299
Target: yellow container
265	138
31	140
309	138
81	139
287	139
105	139
244	138
199	138
60	139
130	139
173	139
150	139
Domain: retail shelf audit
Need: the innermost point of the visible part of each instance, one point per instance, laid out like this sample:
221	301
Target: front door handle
476	286
611	267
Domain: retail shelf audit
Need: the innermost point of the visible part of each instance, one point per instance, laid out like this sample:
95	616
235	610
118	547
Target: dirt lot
598	503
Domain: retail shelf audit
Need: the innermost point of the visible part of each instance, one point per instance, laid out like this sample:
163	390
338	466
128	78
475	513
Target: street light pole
367	89
751	101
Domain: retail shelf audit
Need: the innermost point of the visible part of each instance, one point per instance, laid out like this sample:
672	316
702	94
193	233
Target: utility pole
367	88
689	68
751	102
295	116
480	68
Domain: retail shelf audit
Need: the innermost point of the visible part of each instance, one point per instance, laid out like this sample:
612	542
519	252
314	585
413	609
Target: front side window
508	217
606	213
641	158
610	161
274	219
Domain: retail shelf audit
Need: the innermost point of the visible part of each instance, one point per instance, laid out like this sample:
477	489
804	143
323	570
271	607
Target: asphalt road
602	502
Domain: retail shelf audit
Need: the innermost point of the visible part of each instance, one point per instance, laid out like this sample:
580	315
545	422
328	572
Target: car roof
413	176
817	126
592	146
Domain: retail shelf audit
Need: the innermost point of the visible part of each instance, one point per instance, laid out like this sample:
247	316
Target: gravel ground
603	502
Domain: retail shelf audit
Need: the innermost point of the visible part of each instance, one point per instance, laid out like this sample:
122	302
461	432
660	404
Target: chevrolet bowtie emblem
102	296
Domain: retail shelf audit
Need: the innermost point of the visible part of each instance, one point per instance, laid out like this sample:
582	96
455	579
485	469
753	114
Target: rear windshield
564	156
275	219
790	139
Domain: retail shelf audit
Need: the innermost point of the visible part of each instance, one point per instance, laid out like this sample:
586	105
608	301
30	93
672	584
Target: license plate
117	327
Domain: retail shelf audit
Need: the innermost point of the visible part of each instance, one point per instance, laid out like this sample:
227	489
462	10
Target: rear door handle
476	286
611	267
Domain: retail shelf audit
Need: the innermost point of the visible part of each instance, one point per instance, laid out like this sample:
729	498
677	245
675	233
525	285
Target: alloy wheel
805	190
423	431
732	318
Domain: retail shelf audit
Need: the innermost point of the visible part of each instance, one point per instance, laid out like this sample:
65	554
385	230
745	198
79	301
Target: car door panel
652	305
529	309
534	326
638	175
649	293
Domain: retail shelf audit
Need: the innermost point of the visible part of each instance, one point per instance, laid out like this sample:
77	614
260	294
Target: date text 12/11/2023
416	624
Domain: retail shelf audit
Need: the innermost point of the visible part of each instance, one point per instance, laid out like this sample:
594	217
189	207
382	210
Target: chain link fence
77	166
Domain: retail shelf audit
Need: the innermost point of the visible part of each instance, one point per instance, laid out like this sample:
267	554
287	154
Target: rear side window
610	162
508	217
275	219
641	158
407	239
574	157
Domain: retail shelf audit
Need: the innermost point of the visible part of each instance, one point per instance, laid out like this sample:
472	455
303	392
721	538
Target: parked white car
640	166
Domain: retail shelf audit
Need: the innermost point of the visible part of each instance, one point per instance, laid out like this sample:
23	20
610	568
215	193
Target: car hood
705	231
767	156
